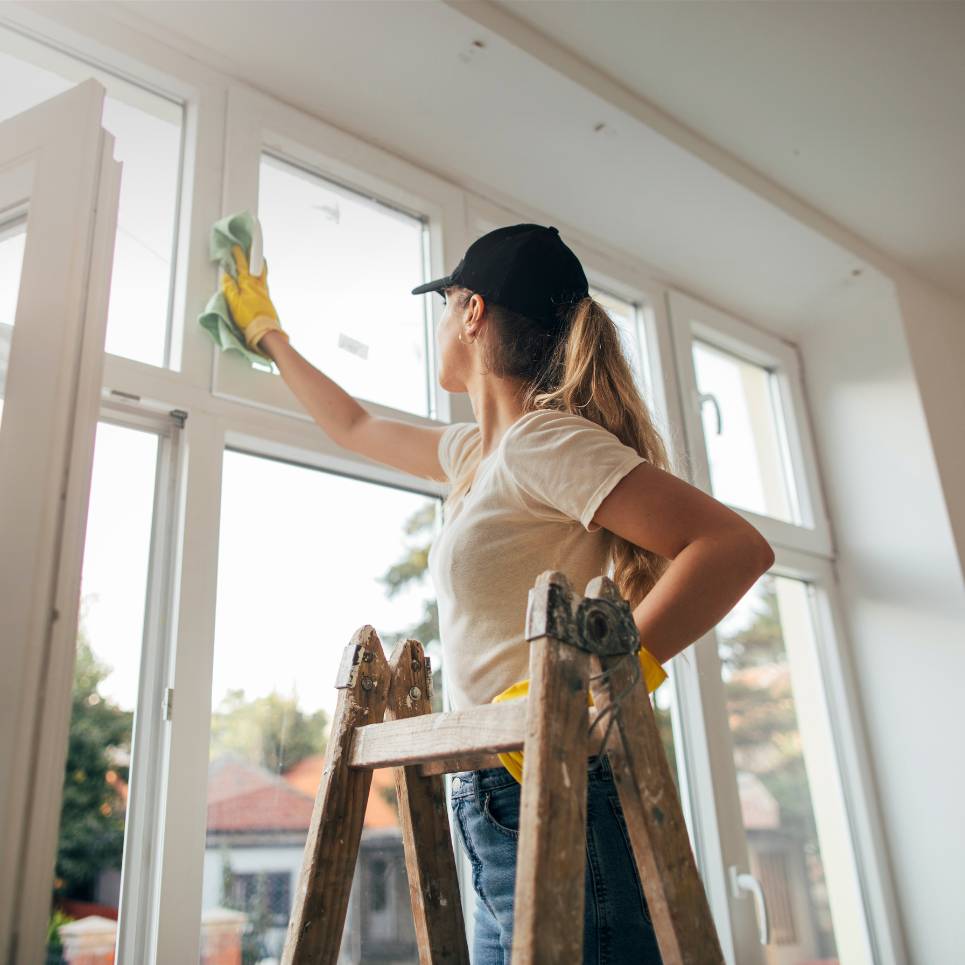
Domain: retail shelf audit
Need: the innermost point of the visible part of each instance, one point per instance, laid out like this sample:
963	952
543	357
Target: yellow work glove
653	676
251	308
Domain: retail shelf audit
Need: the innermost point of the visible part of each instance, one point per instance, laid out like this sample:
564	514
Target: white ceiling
854	108
857	108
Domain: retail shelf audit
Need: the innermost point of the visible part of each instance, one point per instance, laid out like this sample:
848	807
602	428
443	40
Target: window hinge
179	416
167	707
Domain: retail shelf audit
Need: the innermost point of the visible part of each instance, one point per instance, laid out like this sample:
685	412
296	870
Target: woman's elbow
762	551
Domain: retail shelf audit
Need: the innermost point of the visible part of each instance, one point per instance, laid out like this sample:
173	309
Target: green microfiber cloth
236	229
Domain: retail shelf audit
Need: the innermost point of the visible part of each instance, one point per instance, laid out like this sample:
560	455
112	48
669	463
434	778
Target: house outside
257	828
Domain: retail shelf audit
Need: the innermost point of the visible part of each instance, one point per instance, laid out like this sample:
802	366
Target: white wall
247	861
900	574
935	328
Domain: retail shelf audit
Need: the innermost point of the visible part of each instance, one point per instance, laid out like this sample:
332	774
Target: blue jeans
616	923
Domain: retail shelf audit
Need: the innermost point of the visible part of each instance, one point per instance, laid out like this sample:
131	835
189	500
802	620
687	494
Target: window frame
57	45
150	751
258	124
58	166
692	319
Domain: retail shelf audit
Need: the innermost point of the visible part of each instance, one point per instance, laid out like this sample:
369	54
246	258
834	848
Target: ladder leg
430	861
551	857
651	806
331	851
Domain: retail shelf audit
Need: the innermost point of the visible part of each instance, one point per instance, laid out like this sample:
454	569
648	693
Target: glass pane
147	131
791	797
13	238
662	700
744	434
624	314
341	267
110	629
290	596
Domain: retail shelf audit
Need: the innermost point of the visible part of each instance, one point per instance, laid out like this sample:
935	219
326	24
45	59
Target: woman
563	469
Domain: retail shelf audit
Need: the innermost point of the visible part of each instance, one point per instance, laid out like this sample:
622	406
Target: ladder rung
487	729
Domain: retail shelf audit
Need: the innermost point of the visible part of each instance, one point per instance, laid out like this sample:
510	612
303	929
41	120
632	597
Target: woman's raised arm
413	449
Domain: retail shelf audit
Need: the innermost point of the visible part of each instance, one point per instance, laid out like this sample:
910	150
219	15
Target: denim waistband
467	783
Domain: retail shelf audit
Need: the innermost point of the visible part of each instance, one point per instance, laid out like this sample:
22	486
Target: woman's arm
413	449
717	556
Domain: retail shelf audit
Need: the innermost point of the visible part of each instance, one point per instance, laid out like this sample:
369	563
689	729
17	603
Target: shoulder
455	445
565	464
551	427
547	446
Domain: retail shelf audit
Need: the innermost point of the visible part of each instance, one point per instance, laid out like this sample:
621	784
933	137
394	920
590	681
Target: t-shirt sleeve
567	464
454	447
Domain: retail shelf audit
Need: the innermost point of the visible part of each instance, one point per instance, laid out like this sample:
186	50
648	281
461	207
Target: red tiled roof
243	797
306	775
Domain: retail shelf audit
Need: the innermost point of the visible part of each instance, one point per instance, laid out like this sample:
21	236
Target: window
297	577
791	798
147	130
342	266
745	415
111	626
267	893
744	435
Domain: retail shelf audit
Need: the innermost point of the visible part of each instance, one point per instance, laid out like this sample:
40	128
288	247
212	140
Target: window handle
743	882
703	397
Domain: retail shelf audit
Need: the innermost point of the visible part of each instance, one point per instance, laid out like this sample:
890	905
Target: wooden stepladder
384	718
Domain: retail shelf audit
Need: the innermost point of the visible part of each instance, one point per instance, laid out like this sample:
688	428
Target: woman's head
573	364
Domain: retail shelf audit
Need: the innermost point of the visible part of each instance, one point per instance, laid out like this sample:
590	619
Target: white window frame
800	553
220	412
139	892
257	123
58	164
55	49
692	319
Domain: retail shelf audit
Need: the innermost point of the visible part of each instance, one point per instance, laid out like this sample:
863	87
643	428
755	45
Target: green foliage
763	721
92	814
57	918
412	567
268	731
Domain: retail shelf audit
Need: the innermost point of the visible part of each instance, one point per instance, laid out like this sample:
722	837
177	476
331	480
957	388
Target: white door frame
58	161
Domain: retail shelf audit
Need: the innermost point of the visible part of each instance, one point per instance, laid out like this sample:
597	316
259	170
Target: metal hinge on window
167	705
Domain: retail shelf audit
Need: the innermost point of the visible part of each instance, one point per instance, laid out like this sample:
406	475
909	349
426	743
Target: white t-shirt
528	510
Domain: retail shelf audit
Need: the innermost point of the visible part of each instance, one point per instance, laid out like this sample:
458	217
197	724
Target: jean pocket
500	808
621	820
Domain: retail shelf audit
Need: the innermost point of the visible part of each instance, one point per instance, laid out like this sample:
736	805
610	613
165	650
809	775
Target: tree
92	813
413	567
763	720
269	731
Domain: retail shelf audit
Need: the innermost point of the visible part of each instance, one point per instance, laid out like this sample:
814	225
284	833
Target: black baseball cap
525	267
